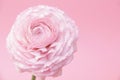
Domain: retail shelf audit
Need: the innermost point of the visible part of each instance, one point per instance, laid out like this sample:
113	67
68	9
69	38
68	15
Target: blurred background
98	55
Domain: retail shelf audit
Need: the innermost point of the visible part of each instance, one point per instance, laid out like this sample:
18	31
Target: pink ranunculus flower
42	40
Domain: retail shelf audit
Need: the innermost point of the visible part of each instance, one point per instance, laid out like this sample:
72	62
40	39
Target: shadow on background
118	3
1	78
1	5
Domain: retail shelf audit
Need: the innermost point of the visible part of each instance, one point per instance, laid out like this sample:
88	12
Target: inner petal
37	30
42	32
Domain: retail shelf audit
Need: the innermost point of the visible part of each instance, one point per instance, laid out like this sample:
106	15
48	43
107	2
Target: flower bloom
42	40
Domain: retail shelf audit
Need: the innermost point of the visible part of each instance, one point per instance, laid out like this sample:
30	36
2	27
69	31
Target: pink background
98	56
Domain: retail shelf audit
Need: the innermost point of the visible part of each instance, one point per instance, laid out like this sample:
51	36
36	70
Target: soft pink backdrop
98	56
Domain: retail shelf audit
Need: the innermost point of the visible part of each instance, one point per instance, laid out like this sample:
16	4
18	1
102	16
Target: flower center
37	30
